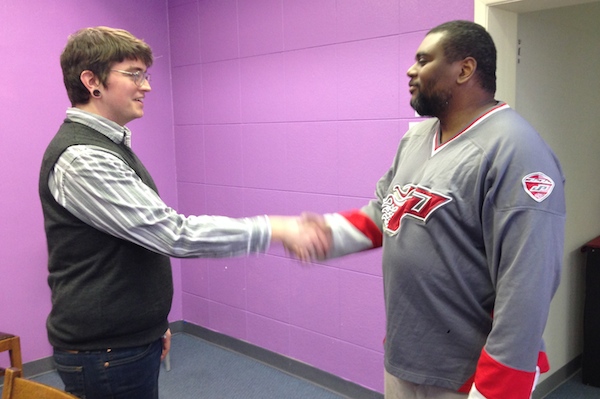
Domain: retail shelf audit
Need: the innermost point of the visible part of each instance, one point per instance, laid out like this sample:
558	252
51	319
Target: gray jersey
472	234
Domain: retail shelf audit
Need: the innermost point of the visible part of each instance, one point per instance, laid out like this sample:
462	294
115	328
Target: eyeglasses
138	77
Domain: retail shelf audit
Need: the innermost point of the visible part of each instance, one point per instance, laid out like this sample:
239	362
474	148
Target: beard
433	104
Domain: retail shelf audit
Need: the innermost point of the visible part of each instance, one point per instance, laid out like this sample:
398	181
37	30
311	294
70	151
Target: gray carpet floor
573	388
200	369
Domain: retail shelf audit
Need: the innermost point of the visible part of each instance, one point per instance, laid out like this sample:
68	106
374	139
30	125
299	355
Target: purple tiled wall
284	106
257	106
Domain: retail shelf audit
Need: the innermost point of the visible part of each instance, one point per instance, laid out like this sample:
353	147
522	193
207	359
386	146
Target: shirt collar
117	133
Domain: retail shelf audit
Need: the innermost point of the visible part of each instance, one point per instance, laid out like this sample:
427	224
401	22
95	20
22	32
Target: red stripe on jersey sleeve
467	385
497	381
365	225
543	362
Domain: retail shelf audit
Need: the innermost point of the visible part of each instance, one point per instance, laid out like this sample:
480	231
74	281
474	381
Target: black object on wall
590	365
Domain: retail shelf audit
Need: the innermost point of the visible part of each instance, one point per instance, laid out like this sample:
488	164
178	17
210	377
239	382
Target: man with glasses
110	235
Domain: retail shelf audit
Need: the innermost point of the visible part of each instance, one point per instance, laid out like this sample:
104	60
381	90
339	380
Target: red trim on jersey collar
436	138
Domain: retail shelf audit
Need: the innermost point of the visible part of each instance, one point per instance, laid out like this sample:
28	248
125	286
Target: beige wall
558	82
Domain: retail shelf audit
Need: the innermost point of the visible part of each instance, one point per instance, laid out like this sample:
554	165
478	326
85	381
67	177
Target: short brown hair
96	49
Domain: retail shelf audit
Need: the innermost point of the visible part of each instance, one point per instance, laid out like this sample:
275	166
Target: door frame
500	18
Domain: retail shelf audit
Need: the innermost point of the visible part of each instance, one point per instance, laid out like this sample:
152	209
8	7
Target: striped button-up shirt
100	189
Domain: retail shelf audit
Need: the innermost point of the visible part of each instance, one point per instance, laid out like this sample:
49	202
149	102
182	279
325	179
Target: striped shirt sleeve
100	189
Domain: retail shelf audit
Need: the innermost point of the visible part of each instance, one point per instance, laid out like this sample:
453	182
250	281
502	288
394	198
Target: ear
89	80
468	66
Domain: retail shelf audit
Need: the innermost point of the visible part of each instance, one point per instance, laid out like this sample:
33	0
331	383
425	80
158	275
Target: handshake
307	237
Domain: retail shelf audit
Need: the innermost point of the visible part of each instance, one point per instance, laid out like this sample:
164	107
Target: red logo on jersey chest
409	200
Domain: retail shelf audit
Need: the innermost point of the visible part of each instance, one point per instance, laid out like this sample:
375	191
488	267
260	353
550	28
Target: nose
412	71
146	85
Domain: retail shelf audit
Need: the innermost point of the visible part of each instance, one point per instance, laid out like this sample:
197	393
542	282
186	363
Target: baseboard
177	326
37	367
557	378
290	366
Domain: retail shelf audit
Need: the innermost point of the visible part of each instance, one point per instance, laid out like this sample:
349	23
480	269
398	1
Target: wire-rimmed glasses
138	77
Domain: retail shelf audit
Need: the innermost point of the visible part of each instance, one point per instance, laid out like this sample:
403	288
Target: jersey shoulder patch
538	186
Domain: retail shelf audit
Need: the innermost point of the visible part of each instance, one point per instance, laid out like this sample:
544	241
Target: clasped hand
306	238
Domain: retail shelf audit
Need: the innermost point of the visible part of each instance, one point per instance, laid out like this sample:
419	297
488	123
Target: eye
137	75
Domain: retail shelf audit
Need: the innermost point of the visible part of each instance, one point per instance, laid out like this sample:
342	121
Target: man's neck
454	122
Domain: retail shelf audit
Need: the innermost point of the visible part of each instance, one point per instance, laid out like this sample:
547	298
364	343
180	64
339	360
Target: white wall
558	86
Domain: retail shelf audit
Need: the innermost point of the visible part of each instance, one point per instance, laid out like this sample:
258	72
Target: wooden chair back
12	344
17	387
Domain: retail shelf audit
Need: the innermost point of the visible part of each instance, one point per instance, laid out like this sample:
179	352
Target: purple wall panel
368	79
257	106
223	155
311	84
311	347
227	281
195	309
195	278
260	27
225	201
308	23
364	165
263	202
268	333
189	147
227	320
268	286
185	40
175	3
359	364
218	30
368	262
192	198
221	92
311	288
364	19
298	202
312	157
418	15
264	145
187	94
361	298
262	88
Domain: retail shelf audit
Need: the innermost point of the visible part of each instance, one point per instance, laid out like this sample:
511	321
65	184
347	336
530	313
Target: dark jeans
130	373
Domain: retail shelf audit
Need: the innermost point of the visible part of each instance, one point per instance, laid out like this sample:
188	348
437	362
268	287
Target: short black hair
464	39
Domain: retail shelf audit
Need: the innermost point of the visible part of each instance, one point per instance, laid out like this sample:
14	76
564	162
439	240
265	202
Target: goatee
433	105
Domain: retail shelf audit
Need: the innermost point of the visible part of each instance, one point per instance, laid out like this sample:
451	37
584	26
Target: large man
471	219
